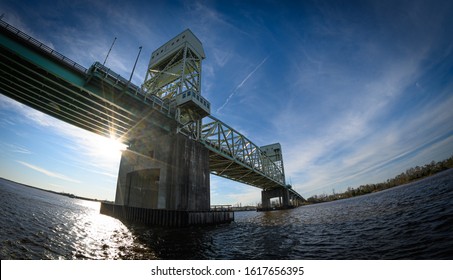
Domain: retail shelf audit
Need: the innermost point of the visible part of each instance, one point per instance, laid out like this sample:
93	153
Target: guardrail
42	47
114	78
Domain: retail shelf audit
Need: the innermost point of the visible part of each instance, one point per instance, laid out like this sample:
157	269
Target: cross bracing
177	73
235	157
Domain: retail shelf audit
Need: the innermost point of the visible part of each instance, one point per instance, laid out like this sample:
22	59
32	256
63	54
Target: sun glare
106	147
111	145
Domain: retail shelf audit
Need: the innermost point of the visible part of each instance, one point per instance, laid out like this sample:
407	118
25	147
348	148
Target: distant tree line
412	174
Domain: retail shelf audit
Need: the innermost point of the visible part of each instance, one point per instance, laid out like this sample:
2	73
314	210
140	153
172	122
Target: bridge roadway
101	101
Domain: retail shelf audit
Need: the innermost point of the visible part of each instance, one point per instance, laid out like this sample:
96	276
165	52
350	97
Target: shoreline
70	195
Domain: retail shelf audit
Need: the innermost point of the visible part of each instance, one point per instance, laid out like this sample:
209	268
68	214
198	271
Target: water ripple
408	222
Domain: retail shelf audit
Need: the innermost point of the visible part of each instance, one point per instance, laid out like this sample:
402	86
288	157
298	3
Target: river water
414	221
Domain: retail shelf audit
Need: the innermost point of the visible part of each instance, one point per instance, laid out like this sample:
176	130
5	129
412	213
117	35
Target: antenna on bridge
135	64
109	51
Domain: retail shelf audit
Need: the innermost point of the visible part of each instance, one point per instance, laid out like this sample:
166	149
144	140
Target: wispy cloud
207	17
321	165
242	83
17	148
369	126
48	173
13	148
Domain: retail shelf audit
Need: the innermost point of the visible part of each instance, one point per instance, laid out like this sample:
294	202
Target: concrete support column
164	170
281	193
285	197
265	199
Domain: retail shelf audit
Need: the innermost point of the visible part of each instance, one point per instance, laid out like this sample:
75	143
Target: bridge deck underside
233	169
230	168
46	92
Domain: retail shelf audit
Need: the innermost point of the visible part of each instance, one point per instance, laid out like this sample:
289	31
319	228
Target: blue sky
356	92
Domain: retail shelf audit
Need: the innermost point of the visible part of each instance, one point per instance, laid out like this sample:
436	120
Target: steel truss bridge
101	101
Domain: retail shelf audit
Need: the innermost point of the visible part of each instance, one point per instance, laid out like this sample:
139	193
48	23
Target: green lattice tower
174	75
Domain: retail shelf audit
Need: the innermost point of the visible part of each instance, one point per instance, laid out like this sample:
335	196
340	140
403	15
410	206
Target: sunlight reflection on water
40	225
96	236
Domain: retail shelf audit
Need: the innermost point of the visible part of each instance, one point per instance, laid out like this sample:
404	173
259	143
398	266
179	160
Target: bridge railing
43	47
116	79
226	140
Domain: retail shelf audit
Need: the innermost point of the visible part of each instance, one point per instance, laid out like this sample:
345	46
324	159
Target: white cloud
48	173
17	148
373	158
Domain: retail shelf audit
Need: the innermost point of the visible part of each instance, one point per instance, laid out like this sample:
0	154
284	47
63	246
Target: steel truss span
235	157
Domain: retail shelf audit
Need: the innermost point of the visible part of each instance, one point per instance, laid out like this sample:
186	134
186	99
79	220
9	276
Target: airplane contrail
241	84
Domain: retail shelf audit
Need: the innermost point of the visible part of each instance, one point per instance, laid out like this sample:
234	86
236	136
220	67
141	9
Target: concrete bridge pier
165	176
175	177
295	201
267	195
